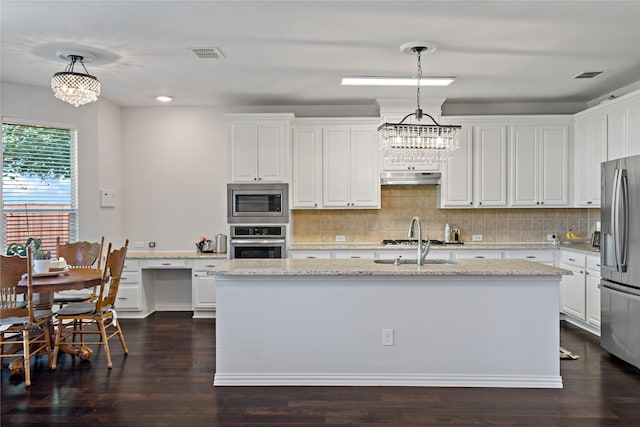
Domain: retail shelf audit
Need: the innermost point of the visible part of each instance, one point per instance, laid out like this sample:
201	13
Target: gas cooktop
414	242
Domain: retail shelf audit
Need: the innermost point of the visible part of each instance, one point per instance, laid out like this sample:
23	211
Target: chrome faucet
422	251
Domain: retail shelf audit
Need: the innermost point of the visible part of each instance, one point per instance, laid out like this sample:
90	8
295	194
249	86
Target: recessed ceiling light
164	98
396	81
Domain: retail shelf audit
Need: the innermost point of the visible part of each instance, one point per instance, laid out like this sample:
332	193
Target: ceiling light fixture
416	143
75	88
164	98
396	81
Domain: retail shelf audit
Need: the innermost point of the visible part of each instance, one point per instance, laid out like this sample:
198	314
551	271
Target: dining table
44	287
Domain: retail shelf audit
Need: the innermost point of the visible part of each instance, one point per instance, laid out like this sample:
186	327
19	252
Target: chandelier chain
419	78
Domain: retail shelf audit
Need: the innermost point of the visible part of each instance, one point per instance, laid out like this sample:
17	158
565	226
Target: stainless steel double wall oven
258	215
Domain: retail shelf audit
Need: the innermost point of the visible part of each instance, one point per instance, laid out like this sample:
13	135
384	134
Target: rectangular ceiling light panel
396	81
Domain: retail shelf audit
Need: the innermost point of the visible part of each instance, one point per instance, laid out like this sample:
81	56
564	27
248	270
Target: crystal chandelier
75	88
415	143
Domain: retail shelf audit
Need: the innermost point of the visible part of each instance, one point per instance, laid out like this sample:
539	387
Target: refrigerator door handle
615	216
624	247
627	293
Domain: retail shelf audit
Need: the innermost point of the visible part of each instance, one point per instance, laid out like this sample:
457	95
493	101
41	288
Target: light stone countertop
360	267
174	254
580	247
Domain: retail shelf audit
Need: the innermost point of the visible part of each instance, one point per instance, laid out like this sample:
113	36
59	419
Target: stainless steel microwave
258	203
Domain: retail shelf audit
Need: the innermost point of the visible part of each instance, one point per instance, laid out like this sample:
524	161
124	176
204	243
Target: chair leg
27	357
47	340
56	346
121	336
105	342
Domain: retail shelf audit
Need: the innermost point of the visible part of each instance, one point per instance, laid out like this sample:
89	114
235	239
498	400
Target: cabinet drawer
593	263
574	259
468	254
166	263
206	264
131	265
545	257
310	254
350	254
130	277
128	298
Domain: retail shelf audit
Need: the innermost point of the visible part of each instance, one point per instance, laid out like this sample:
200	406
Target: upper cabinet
590	151
538	166
623	126
504	161
335	164
259	147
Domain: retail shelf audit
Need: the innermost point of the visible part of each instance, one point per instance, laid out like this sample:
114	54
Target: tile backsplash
400	203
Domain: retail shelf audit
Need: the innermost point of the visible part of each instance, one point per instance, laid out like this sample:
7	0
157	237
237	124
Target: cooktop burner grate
414	242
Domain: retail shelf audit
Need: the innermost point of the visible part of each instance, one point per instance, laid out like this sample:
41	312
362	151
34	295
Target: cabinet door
270	152
590	151
490	148
554	166
456	187
204	290
307	167
593	299
524	166
634	127
364	182
335	167
244	148
573	293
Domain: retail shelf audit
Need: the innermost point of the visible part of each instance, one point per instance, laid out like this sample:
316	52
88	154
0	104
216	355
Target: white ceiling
295	52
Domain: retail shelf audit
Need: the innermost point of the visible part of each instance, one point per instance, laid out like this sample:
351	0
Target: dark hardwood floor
166	380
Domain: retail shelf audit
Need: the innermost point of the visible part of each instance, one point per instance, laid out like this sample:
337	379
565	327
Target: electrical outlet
476	238
551	237
152	244
387	336
341	238
139	244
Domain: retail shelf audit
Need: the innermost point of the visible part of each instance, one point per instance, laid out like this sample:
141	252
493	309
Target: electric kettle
221	244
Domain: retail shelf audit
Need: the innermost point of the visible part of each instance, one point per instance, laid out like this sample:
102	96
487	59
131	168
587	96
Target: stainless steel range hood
410	178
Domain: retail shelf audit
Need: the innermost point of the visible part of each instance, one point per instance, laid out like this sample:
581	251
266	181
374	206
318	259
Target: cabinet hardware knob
479	256
530	256
589	203
166	263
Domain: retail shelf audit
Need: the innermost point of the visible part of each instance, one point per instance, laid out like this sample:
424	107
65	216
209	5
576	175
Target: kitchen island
473	323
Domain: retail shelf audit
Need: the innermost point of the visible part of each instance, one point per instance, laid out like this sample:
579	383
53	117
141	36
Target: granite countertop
360	267
580	247
174	254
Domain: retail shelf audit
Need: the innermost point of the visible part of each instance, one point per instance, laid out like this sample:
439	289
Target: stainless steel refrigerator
620	258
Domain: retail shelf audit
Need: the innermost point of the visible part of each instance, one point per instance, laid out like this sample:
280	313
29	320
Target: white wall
175	175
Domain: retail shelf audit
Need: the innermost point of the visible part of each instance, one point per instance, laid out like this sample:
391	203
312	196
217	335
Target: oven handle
257	241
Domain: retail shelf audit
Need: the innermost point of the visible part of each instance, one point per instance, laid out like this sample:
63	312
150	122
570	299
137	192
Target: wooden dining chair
20	322
75	320
78	255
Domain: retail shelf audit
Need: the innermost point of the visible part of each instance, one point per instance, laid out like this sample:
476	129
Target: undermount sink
412	261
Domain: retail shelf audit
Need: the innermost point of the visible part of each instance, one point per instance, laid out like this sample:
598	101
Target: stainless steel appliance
258	241
221	243
258	203
620	258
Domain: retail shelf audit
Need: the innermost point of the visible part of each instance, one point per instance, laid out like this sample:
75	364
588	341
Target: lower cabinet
203	287
129	296
580	292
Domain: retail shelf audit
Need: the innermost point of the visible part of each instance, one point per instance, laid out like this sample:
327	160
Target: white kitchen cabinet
590	151
536	255
310	254
350	167
306	187
203	287
572	287
259	147
490	168
623	127
353	254
539	165
593	290
456	184
129	296
476	254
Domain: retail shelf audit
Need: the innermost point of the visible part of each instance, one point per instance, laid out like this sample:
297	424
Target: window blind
39	184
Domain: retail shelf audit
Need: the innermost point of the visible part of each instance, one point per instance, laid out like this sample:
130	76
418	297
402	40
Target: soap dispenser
447	233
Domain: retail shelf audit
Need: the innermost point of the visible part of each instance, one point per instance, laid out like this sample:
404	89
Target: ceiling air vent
588	74
208	53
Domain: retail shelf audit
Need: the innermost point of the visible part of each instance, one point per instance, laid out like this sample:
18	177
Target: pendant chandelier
415	143
75	88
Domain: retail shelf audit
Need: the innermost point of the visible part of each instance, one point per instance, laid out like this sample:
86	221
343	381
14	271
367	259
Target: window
39	183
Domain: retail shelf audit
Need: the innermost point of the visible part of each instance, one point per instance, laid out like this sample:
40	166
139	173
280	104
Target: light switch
107	198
